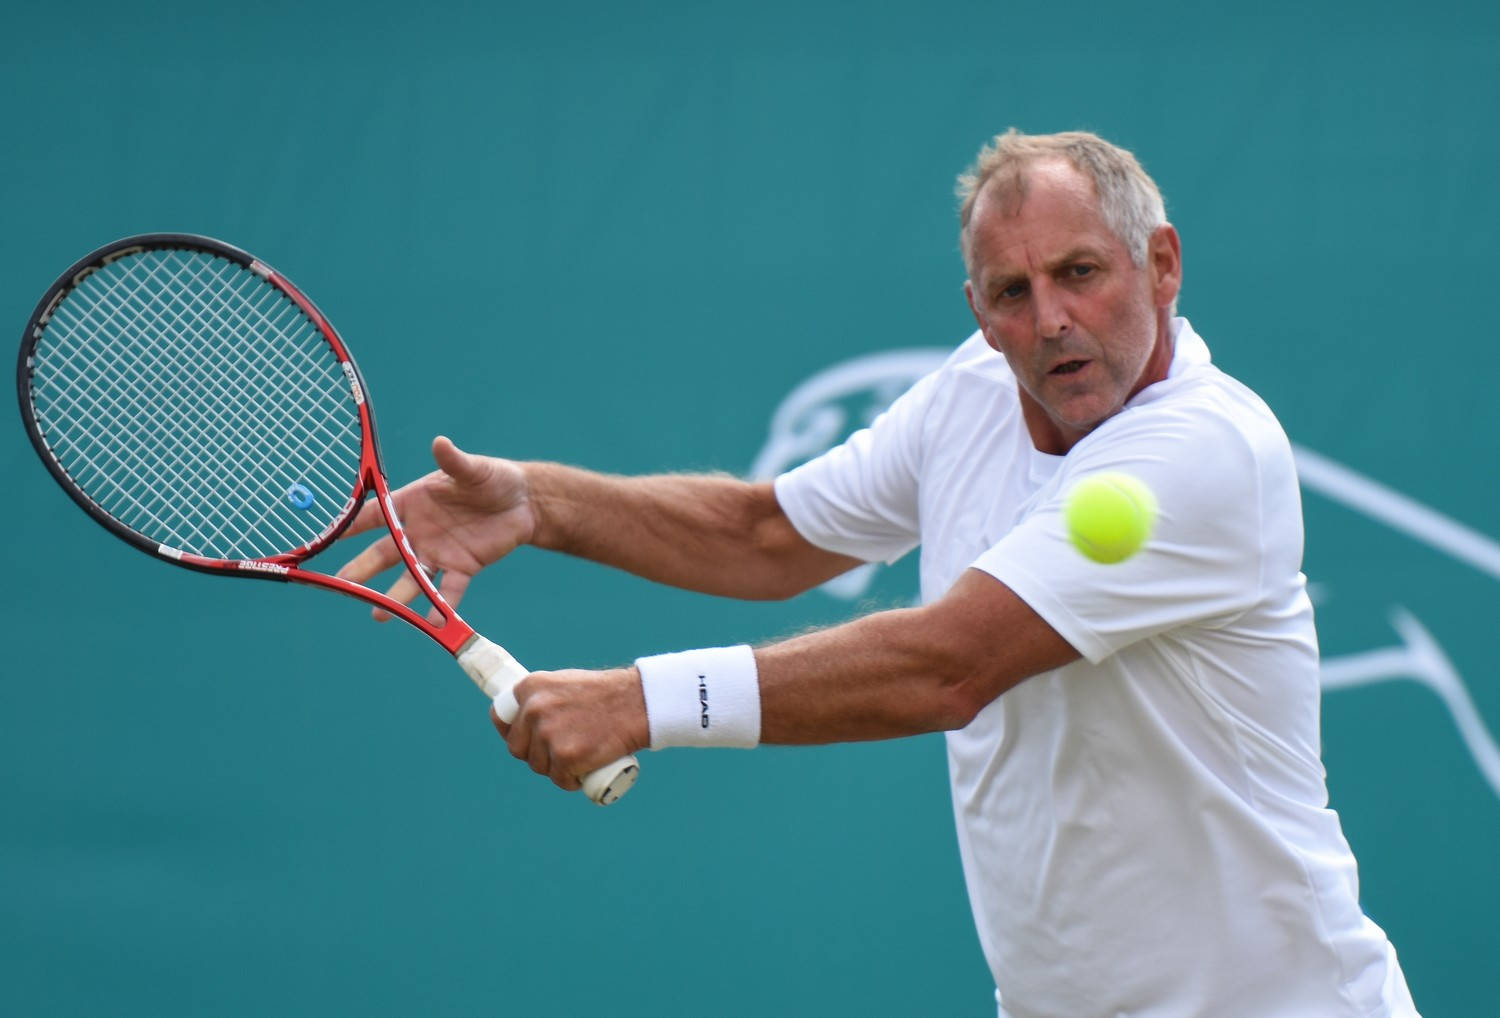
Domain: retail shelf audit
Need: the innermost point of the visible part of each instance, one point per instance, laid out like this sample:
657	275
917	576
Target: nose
1052	318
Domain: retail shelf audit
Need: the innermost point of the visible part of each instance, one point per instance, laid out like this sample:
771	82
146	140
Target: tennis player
1134	749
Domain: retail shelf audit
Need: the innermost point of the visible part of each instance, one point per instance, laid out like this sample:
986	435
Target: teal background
618	235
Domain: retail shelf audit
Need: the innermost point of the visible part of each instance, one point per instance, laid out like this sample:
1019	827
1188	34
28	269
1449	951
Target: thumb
463	467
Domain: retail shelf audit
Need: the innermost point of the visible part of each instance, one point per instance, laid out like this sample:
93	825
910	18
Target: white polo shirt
1144	832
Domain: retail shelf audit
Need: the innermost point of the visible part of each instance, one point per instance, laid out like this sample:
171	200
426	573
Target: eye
1078	270
1013	291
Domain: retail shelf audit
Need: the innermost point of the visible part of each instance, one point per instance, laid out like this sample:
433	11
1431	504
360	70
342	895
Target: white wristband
707	697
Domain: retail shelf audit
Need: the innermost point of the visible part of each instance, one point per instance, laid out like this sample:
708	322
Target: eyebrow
1080	252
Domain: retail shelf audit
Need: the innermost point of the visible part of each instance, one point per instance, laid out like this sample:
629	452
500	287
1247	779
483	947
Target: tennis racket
200	407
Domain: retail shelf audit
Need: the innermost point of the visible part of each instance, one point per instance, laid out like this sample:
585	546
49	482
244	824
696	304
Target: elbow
966	672
978	642
773	579
960	686
959	701
788	563
781	581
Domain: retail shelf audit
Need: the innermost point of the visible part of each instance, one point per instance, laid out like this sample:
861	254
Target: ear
1164	258
978	317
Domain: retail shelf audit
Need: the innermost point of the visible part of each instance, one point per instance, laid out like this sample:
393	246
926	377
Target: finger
373	561
500	726
518	740
368	518
463	467
539	756
404	590
454	584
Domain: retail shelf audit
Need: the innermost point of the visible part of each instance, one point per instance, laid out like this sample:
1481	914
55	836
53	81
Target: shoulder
973	390
1205	420
974	362
1216	457
1200	406
966	390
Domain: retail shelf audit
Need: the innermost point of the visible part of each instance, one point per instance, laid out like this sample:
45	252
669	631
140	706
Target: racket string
277	378
265	428
306	464
193	395
96	365
147	388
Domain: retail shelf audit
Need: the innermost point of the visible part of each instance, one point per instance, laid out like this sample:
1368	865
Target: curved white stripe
1419	658
1336	481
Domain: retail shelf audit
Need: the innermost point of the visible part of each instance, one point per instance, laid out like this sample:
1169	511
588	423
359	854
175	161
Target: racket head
197	405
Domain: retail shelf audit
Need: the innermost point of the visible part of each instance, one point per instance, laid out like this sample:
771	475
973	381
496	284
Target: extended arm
713	534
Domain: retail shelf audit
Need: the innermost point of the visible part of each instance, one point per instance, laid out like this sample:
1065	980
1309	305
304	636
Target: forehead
1045	211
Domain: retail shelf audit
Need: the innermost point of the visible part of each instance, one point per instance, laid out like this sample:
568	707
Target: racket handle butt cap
611	781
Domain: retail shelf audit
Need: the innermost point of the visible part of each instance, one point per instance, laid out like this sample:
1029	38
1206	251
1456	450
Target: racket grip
496	672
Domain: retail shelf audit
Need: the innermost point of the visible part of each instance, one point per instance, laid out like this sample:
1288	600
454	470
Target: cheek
1133	323
1006	338
1021	363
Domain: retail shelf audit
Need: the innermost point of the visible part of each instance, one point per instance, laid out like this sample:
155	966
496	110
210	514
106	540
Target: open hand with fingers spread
470	512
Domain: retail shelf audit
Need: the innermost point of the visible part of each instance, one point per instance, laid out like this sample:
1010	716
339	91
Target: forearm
714	534
878	677
907	671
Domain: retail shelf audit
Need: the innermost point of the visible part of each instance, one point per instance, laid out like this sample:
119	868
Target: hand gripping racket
196	404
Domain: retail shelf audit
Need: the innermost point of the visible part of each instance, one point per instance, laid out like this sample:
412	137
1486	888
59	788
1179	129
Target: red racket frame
451	634
490	666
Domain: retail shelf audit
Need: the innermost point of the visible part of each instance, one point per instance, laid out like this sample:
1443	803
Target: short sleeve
1203	562
860	498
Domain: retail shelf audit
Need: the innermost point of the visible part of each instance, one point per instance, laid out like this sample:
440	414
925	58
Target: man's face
1055	291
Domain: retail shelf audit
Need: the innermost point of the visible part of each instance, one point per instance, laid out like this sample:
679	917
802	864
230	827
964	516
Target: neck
1160	361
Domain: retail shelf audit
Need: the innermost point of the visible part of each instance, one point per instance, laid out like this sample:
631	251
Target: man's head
1073	275
1129	199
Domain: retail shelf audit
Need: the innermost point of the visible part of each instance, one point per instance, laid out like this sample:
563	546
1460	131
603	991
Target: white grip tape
504	702
496	673
708	697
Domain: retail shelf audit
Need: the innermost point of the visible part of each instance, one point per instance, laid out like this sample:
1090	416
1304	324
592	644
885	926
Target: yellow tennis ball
1110	516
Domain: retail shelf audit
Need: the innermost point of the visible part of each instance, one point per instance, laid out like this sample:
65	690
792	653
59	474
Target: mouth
1069	367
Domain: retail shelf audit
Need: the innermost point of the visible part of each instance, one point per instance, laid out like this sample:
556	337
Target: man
1133	748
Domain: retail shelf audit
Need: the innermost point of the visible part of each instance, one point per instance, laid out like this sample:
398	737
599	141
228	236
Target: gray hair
1129	199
